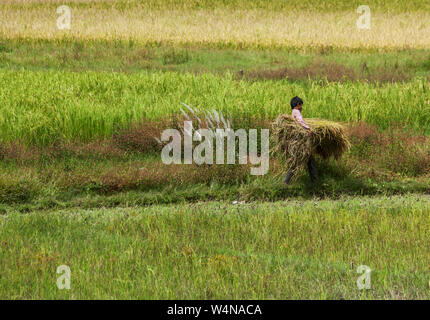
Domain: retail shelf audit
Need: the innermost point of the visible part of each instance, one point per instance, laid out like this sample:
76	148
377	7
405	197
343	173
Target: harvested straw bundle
295	145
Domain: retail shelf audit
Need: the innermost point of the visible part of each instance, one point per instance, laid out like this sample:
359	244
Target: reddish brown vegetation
331	71
26	154
153	175
141	136
373	154
138	138
396	150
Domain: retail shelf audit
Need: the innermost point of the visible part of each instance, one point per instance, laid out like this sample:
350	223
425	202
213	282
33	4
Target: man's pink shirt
298	116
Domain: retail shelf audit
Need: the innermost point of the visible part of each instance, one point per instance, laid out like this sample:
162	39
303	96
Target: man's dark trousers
311	169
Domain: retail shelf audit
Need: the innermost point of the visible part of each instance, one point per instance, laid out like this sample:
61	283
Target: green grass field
40	107
216	250
81	178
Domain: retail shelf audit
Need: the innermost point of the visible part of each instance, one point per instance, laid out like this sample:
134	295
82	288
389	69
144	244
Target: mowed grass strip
308	24
217	250
256	64
44	106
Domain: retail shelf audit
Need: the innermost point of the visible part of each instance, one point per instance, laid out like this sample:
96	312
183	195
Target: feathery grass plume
206	119
293	143
201	119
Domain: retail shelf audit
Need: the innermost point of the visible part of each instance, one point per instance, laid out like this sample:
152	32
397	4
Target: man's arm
298	116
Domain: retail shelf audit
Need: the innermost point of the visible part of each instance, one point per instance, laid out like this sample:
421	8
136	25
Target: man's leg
289	175
313	173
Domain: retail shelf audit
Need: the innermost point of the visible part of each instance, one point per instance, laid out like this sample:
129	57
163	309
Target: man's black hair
296	101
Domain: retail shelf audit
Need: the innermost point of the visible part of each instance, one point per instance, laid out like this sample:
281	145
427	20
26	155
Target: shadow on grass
334	180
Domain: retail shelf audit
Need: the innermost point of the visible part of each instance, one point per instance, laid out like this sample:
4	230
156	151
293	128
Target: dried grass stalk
293	143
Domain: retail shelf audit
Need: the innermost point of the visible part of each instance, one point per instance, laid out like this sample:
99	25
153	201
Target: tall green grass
40	107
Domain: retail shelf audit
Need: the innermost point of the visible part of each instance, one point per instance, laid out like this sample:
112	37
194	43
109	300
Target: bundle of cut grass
294	144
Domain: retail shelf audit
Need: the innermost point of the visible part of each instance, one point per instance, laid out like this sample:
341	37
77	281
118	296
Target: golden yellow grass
218	26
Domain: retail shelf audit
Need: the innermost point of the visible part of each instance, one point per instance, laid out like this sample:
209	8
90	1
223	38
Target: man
297	106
